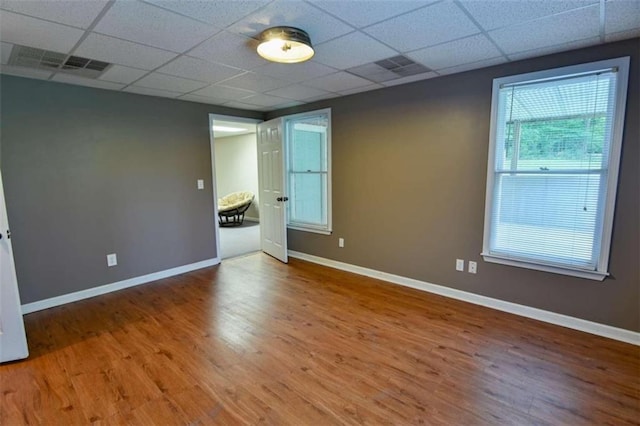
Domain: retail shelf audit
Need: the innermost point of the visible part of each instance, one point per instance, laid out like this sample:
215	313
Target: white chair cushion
234	200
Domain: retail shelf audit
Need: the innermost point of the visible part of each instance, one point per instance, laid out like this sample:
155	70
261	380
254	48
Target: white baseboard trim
615	333
108	288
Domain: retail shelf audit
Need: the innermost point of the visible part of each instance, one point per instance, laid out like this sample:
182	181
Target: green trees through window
576	139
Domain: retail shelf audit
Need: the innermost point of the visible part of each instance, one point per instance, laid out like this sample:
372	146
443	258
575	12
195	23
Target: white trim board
500	305
109	288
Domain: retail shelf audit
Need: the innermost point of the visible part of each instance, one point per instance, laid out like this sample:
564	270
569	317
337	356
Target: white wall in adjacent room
237	167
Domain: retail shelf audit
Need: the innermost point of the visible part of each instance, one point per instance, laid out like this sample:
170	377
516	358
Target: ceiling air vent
31	57
389	69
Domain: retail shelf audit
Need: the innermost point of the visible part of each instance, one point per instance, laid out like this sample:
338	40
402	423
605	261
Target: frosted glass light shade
286	45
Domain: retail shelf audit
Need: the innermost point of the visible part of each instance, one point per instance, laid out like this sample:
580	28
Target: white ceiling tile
361	89
319	25
203	99
374	72
70	12
122	52
120	74
150	25
265	100
197	69
337	82
463	51
621	15
288	104
151	92
297	92
255	82
622	35
557	29
323	97
361	13
219	13
547	50
474	65
428	26
24	72
295	73
352	50
221	92
240	105
168	82
410	79
19	29
89	82
230	49
502	13
5	51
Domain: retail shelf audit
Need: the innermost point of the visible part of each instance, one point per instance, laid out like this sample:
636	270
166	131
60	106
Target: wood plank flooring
254	341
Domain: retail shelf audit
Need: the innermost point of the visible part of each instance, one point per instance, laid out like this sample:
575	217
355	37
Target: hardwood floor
254	341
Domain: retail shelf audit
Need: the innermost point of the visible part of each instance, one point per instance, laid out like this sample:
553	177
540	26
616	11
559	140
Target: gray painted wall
89	172
410	162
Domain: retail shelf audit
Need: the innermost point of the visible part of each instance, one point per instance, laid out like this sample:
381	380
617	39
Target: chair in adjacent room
231	208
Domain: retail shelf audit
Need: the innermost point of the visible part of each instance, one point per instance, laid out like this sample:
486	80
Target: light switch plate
340	242
112	259
200	183
459	265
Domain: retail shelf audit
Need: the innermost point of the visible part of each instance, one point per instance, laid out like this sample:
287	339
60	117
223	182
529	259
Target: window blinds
308	171
551	166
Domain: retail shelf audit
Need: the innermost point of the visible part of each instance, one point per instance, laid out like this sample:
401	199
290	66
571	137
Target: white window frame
601	271
326	230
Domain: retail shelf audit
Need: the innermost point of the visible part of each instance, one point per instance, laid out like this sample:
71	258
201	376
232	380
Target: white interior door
273	212
13	341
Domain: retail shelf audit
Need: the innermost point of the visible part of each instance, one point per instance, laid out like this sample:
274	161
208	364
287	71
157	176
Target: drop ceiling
204	51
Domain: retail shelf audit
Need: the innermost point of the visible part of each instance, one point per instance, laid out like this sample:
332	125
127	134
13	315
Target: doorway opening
234	158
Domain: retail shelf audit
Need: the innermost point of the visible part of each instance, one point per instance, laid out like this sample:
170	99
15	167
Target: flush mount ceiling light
286	45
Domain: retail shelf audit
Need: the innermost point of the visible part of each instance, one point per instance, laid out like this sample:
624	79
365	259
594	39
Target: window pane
309	144
553	218
309	198
564	144
556	125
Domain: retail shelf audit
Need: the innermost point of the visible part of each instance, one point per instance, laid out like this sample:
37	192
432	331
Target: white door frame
214	189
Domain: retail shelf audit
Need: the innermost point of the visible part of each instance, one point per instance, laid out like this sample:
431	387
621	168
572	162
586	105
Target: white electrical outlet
200	183
340	242
459	265
112	259
473	267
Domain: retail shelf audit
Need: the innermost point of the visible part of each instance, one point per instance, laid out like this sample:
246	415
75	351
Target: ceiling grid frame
327	78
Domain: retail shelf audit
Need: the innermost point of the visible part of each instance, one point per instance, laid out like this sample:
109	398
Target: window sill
591	275
314	230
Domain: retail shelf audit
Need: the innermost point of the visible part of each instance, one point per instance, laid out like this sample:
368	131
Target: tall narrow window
553	164
309	163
